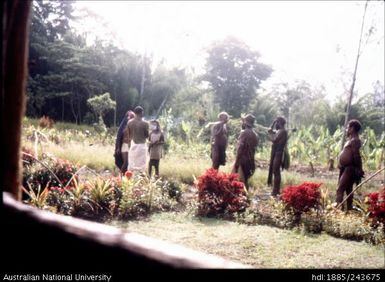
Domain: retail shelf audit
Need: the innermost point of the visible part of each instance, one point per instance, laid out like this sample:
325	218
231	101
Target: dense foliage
54	173
67	68
235	73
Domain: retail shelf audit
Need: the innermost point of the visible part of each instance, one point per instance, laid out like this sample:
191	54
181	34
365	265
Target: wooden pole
14	68
359	185
347	115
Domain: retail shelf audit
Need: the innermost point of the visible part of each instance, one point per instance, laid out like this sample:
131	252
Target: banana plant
373	151
187	129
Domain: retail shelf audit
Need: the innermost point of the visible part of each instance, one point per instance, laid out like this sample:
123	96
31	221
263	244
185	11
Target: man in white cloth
138	132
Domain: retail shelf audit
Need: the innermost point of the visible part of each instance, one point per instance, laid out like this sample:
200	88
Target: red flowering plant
59	174
303	197
64	170
220	193
128	174
376	209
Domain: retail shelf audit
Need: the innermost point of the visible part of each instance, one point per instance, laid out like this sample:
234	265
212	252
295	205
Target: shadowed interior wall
14	71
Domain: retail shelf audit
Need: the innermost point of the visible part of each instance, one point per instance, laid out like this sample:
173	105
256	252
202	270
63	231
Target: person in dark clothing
126	144
219	141
247	144
119	141
279	139
350	164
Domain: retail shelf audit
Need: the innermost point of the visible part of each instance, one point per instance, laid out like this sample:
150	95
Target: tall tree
264	109
234	72
287	96
351	91
165	83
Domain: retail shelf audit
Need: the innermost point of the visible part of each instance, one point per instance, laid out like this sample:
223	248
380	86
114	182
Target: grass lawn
258	246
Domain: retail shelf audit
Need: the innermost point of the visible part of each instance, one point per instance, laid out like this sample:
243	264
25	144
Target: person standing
350	164
156	140
126	144
219	141
246	147
118	155
279	139
137	134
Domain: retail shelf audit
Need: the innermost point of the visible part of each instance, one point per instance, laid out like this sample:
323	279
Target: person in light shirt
155	148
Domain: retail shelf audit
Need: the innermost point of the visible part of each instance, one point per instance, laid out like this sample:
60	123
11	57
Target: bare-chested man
138	132
247	144
350	164
279	139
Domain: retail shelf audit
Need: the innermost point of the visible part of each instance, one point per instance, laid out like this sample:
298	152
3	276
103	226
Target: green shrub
173	188
59	174
273	212
351	226
312	221
142	195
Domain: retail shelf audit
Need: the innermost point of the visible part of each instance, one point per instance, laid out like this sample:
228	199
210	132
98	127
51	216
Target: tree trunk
142	81
116	106
14	72
73	110
79	112
62	109
288	118
347	115
161	106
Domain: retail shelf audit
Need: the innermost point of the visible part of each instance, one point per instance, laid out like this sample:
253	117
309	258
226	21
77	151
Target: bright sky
311	40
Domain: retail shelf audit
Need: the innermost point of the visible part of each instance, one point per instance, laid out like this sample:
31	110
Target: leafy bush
37	199
173	188
220	193
303	197
59	199
141	195
60	170
101	196
351	226
78	203
64	170
271	212
312	221
376	201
